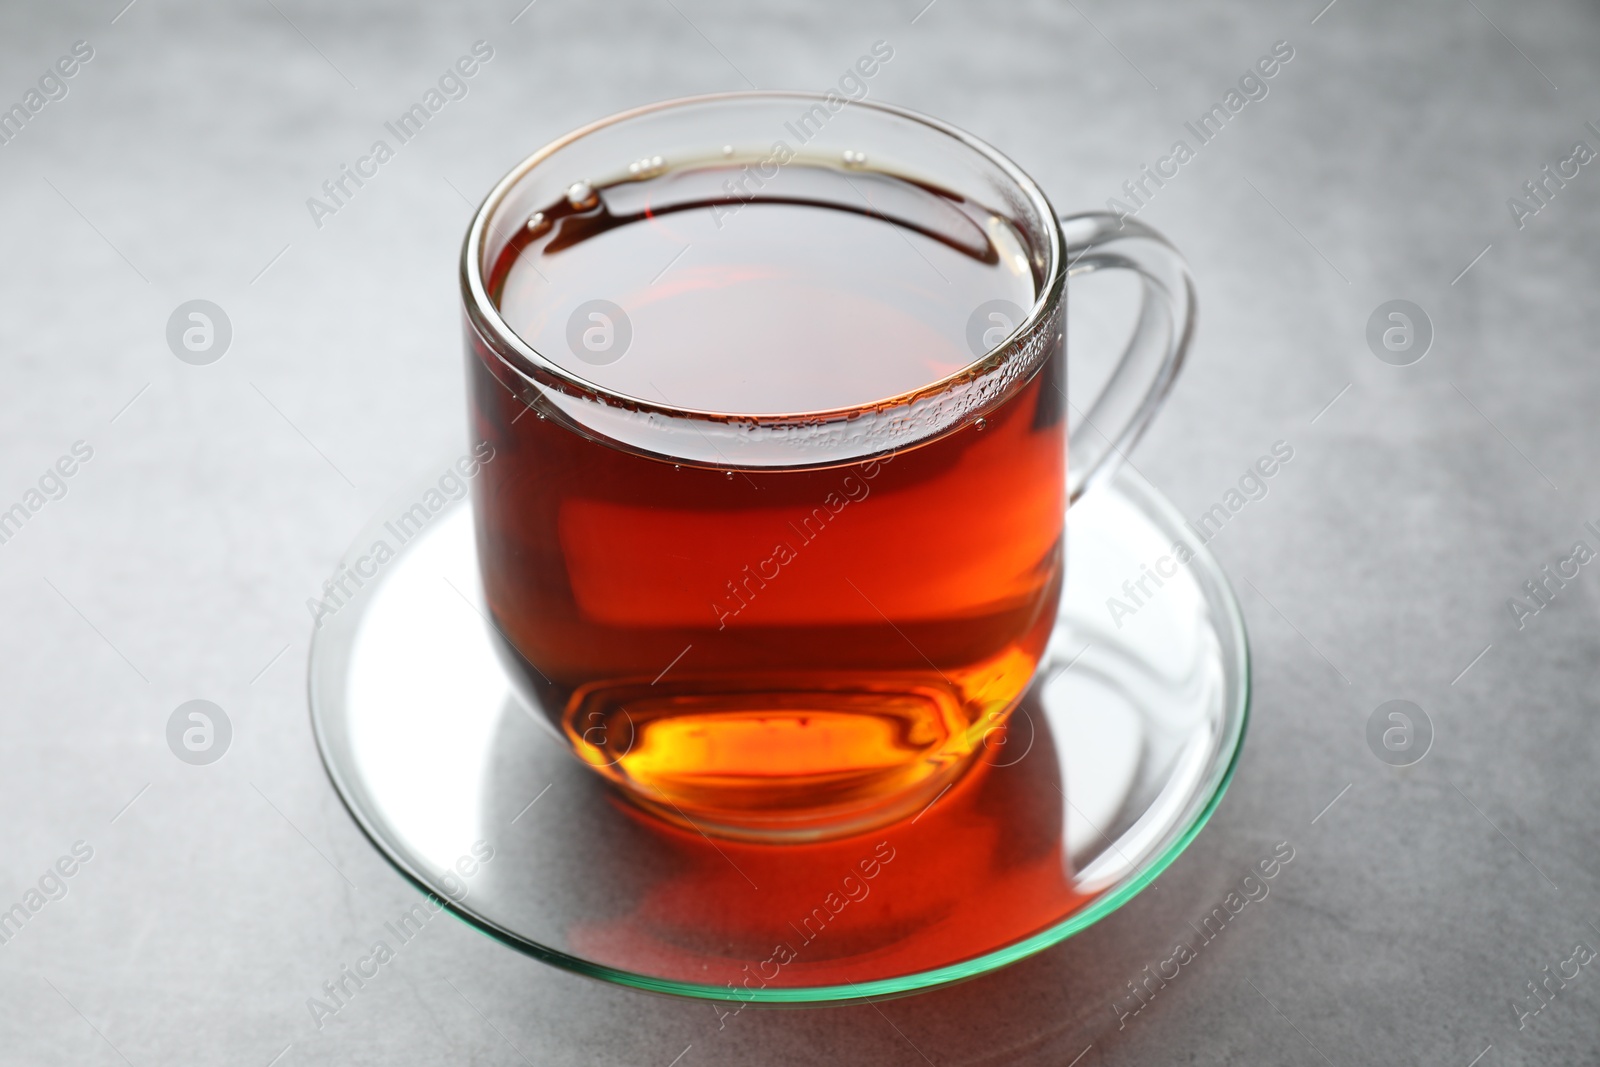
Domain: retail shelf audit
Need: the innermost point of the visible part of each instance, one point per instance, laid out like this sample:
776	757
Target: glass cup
796	599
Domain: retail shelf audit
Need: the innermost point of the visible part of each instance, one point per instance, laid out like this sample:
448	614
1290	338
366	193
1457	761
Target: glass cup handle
1116	419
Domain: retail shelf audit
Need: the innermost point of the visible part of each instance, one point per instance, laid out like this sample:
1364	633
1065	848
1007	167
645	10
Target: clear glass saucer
1113	762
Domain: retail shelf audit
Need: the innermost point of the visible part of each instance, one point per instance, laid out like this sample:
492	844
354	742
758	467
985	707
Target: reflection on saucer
983	865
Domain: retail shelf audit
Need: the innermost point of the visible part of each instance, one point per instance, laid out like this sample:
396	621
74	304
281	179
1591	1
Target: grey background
178	565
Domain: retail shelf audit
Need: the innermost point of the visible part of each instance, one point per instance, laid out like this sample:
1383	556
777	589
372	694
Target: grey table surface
1380	566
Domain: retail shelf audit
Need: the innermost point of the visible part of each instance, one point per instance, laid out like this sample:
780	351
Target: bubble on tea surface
537	223
581	195
854	159
648	167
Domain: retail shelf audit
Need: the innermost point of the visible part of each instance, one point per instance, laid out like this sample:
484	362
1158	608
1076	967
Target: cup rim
528	362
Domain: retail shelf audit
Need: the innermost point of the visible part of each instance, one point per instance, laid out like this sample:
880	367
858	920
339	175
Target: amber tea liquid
769	652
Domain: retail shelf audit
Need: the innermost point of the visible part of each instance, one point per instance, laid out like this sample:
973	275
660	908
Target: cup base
765	822
773	758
